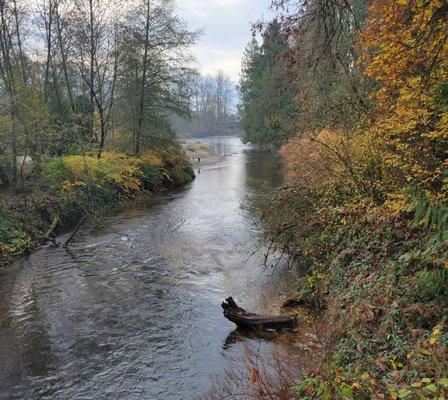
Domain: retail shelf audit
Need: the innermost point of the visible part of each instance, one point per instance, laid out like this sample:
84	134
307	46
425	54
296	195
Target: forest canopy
363	86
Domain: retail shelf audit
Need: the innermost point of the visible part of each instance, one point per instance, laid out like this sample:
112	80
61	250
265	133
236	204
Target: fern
432	215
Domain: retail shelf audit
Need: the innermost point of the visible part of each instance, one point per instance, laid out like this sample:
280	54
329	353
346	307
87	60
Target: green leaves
312	388
442	95
431	388
347	392
424	388
430	214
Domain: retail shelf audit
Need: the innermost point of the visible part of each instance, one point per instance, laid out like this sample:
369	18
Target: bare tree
155	65
212	100
97	30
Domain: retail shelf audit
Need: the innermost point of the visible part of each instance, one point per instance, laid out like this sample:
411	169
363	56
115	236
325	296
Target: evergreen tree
266	105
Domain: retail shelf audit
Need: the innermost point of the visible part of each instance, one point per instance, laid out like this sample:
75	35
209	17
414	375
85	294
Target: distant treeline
213	108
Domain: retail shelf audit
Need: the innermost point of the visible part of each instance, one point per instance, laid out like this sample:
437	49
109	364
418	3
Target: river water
132	311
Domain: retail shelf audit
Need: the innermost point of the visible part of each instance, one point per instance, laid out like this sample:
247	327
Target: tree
78	76
96	27
266	93
211	100
406	53
155	76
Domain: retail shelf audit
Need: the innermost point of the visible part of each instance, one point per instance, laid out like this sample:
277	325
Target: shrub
151	177
176	169
13	236
55	171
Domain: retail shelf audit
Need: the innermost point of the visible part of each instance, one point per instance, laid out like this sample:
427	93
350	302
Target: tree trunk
92	67
48	28
64	59
141	108
75	231
19	43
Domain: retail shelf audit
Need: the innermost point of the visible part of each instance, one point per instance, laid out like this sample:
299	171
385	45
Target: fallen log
245	319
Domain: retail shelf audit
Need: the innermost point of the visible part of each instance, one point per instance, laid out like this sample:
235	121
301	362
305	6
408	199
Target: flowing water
132	311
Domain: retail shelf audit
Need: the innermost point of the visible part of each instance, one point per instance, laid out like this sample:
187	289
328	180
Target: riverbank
72	188
372	307
381	281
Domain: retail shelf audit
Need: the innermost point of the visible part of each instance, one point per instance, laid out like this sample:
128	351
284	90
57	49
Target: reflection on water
135	312
243	335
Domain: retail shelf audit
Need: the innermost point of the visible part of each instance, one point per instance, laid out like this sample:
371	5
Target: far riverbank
200	153
75	188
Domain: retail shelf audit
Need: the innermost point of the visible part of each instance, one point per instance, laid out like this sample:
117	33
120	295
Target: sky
226	26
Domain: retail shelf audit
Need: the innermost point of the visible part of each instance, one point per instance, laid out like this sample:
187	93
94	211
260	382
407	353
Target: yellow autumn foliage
331	162
403	142
117	173
405	50
313	158
112	167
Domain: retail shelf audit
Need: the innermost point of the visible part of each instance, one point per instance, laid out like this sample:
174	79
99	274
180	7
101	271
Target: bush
175	166
13	236
125	175
55	170
151	179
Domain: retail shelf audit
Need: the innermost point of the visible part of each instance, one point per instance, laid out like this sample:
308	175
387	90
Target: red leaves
380	364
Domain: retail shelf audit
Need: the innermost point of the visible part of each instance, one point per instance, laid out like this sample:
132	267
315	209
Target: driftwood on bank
245	319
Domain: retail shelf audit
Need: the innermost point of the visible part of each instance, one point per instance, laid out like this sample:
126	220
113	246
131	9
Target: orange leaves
335	163
315	158
254	375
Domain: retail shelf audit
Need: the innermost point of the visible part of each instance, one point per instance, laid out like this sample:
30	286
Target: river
132	311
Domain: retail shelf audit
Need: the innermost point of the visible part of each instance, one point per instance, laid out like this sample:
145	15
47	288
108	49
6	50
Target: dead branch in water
48	235
75	231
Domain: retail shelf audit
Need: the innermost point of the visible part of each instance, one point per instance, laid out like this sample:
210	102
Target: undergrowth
381	278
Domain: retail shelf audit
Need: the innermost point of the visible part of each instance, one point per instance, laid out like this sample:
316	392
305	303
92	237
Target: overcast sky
227	29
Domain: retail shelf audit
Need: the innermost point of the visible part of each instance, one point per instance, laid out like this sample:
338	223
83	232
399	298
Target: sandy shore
201	154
